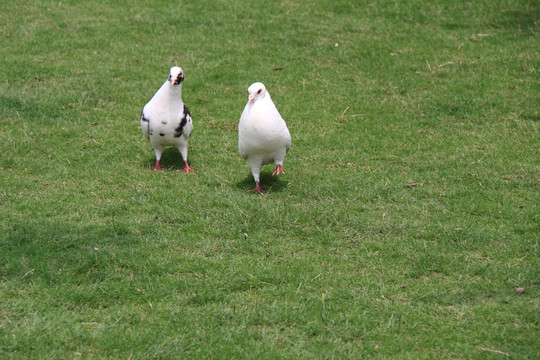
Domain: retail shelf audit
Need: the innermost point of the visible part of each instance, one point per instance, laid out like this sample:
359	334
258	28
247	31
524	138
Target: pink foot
157	166
257	189
187	168
278	171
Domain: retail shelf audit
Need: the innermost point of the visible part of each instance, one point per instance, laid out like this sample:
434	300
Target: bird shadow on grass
170	159
267	182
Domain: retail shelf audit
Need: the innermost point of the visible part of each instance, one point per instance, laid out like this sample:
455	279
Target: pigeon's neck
175	92
171	92
266	101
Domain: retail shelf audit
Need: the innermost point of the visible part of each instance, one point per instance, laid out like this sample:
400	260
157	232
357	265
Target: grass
406	220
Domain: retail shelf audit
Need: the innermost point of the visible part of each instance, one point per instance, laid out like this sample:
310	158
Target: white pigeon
166	120
263	136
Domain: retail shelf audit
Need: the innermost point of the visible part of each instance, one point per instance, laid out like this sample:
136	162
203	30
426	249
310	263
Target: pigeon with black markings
166	120
263	136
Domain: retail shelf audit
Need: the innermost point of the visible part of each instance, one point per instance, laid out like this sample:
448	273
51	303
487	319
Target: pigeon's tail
145	126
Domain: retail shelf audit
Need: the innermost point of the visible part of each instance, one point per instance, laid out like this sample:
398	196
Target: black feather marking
186	111
179	80
143	118
161	134
178	131
164	122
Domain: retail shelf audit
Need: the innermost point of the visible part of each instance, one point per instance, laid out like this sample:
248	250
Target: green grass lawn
406	220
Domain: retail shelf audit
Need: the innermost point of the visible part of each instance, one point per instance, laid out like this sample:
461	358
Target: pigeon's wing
145	125
184	126
288	145
287	136
279	124
188	128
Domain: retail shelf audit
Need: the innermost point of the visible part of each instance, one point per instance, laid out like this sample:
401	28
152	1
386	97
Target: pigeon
166	120
263	136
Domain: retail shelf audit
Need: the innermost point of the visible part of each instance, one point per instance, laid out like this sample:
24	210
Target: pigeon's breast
165	133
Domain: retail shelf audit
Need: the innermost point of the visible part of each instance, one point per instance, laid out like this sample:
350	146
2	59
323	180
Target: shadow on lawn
517	18
55	252
267	182
170	159
27	107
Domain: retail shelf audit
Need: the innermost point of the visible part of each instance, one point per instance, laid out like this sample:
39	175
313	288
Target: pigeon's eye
258	92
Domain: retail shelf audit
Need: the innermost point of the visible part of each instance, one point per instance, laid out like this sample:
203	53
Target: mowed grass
405	221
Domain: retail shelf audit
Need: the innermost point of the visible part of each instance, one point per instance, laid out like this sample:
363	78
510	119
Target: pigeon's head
176	76
256	91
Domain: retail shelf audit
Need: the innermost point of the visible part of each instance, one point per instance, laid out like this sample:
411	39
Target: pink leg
278	171
257	188
187	168
157	166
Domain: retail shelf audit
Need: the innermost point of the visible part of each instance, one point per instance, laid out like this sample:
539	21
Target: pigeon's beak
251	97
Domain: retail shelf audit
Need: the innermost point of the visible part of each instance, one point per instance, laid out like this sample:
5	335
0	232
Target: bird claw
157	167
258	189
278	171
187	169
